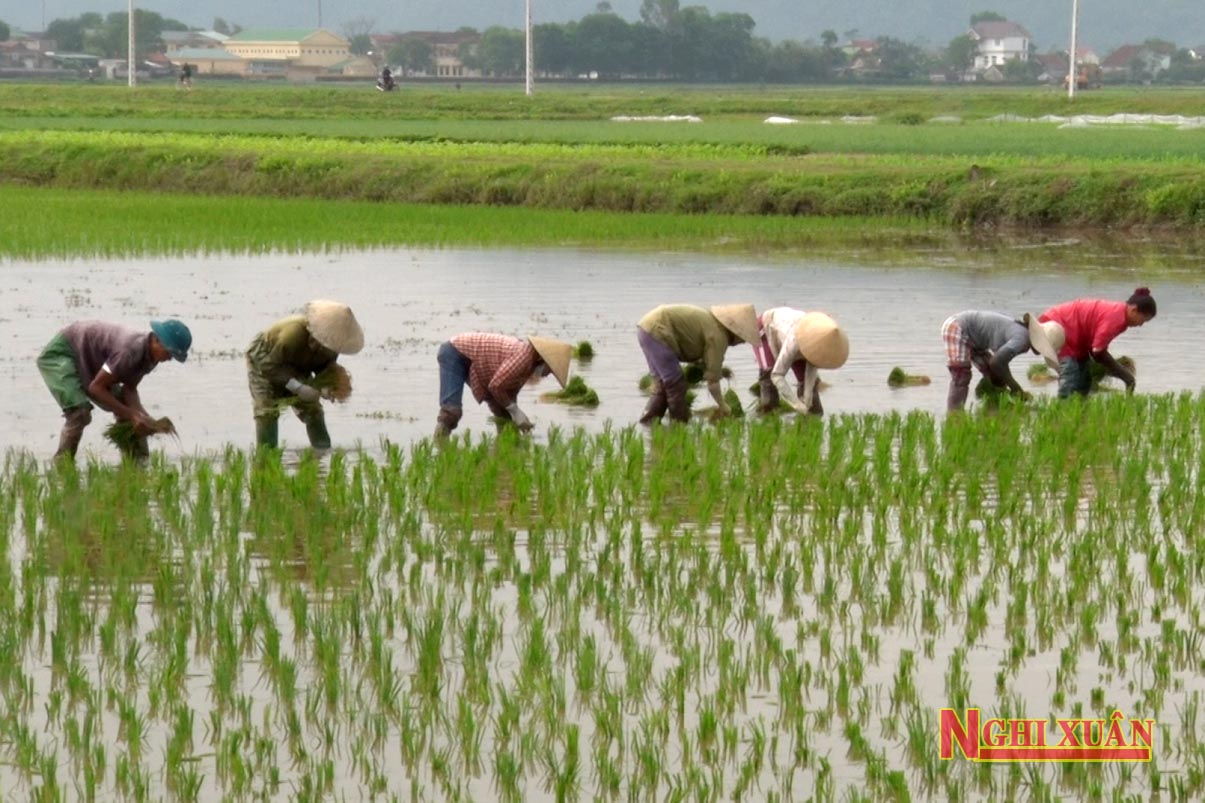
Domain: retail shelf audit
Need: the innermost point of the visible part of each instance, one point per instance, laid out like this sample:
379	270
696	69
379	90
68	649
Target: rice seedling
898	378
583	351
125	436
575	393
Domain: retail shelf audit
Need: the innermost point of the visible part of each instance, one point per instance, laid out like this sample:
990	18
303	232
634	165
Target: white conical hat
821	341
740	319
1047	339
555	354
334	326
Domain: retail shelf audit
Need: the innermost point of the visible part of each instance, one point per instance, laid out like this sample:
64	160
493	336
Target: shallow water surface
410	300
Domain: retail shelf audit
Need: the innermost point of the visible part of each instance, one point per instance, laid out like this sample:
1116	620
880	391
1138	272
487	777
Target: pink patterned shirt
499	365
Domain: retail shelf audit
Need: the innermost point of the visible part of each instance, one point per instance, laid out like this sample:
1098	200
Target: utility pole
319	13
1073	74
131	65
530	67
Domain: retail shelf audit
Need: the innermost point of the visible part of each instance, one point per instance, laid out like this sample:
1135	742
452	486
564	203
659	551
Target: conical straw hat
740	319
821	341
1047	339
334	326
555	354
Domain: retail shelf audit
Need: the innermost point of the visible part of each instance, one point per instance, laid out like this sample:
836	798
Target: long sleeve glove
302	391
519	417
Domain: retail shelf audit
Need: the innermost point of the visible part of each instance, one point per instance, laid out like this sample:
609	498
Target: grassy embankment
559	151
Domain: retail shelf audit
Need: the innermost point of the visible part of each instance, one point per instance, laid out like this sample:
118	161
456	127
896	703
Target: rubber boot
315	428
768	394
655	409
675	394
817	408
960	386
267	432
75	421
447	421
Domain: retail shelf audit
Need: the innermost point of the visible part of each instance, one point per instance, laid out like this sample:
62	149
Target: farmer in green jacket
95	362
283	360
675	333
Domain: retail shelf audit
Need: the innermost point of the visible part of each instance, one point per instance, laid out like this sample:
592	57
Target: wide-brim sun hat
822	342
555	354
334	326
174	336
1047	339
740	319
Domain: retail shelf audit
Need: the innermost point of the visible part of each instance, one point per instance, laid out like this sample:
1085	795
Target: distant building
284	51
447	50
174	41
209	61
15	55
998	43
1137	62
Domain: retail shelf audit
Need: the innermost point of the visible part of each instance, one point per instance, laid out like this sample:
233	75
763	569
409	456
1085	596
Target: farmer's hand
303	391
143	423
519	418
1025	396
1130	383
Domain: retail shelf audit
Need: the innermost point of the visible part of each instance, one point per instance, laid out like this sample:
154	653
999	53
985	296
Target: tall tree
986	16
413	54
828	38
500	52
5	32
960	53
660	14
553	50
357	30
223	27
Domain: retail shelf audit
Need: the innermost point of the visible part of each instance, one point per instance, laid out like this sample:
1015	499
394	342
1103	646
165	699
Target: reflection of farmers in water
1090	326
800	342
283	358
91	361
676	333
495	367
989	341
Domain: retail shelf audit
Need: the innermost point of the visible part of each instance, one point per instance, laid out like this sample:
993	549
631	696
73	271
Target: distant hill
1104	24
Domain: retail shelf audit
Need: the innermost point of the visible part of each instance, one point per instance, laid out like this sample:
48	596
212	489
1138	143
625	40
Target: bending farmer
989	341
676	333
801	342
284	358
496	367
91	361
1091	325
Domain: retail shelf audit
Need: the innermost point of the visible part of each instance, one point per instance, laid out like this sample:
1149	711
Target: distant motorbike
386	83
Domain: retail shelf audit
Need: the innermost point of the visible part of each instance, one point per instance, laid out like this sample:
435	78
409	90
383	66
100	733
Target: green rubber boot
267	432
316	429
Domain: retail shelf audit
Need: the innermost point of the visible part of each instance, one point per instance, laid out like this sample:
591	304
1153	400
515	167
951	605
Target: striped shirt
499	365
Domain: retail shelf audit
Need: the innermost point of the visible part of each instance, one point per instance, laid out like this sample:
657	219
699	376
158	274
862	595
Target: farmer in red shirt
1090	326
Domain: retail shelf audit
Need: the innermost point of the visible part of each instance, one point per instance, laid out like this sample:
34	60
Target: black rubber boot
446	421
75	421
768	401
675	394
267	432
655	409
960	386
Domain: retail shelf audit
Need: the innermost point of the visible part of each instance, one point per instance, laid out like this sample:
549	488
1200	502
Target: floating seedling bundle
576	392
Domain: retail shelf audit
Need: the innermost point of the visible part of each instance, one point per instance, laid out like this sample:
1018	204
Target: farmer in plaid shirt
989	341
496	367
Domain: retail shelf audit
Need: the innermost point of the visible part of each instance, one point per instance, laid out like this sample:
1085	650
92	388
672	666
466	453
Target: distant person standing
186	76
1090	325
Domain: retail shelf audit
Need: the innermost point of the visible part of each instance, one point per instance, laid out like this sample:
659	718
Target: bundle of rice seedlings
584	351
334	383
576	392
899	379
124	435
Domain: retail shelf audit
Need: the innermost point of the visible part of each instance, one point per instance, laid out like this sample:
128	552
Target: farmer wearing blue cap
95	362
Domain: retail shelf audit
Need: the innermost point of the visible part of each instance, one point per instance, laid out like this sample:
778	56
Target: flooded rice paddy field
410	301
605	613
